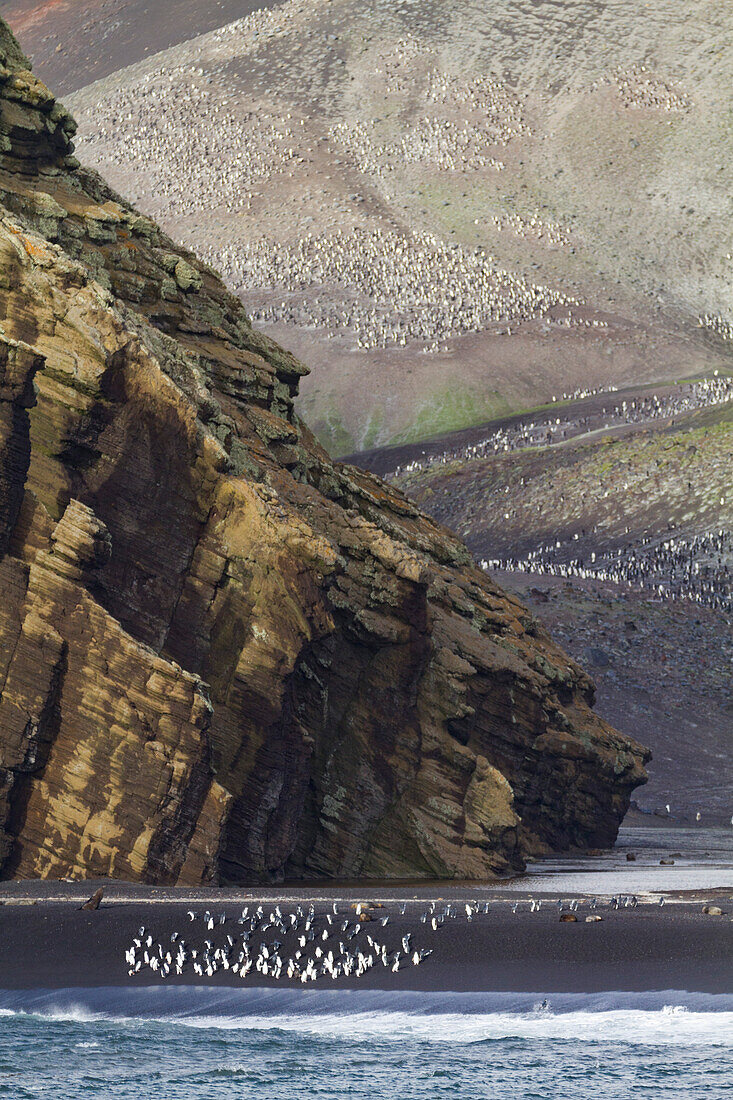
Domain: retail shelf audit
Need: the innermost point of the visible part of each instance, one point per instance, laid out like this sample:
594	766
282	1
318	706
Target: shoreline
262	1007
660	940
54	945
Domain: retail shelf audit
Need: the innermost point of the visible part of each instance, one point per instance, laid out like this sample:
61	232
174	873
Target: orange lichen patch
34	250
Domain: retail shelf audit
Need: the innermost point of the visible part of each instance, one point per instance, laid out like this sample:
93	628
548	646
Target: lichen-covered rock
222	656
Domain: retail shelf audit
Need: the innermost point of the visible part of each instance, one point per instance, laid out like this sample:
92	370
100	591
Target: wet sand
47	942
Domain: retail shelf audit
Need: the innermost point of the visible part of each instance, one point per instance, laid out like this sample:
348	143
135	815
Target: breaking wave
669	1017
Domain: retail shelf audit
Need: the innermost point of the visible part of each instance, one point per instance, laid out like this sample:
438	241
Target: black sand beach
47	942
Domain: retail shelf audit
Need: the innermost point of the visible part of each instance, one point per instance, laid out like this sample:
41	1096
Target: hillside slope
543	191
621	541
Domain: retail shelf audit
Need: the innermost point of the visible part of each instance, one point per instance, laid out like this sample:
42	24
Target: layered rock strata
224	657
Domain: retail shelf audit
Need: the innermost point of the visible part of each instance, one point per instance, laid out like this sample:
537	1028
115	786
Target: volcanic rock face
222	656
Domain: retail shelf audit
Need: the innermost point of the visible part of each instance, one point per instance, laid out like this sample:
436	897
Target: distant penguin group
302	946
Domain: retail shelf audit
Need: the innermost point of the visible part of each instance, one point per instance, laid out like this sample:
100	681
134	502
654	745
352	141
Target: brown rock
94	901
223	656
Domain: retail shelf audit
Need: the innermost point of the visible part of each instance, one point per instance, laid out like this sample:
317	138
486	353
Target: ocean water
184	1043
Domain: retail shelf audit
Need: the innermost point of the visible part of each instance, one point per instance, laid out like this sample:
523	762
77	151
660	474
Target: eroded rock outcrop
222	656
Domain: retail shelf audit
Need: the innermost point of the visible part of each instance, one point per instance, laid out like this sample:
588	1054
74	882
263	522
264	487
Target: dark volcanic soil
72	42
54	945
663	675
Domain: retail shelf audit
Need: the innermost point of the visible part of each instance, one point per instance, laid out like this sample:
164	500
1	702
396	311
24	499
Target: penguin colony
719	325
307	947
301	946
695	569
641	88
690	565
532	227
393	288
706	394
194	146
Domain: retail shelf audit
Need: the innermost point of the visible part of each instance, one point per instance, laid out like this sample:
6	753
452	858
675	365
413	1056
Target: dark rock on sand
94	901
222	655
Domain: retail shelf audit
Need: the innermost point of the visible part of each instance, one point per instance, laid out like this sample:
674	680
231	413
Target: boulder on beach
94	901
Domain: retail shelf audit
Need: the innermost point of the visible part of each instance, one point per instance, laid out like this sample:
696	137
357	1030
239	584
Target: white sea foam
671	1025
673	1017
74	1013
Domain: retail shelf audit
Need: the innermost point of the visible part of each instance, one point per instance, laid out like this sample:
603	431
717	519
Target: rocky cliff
222	656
